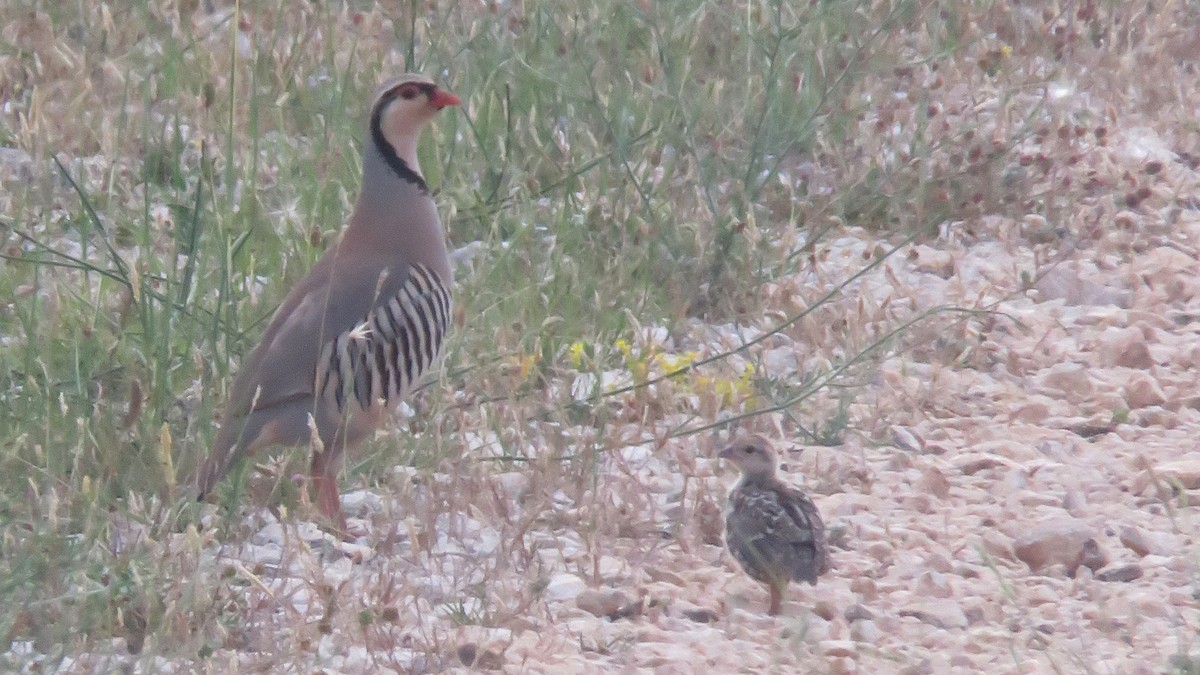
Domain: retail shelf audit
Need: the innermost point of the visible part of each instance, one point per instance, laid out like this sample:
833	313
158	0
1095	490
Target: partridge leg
776	599
325	489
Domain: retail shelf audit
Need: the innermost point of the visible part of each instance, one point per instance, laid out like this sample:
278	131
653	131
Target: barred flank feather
379	360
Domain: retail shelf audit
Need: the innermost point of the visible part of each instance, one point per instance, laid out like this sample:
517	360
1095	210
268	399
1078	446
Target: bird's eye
409	93
749	449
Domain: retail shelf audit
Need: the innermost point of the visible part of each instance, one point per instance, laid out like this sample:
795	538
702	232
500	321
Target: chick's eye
408	93
749	450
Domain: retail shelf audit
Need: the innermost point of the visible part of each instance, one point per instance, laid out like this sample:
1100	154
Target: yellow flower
672	363
528	361
575	353
1006	51
728	391
623	345
640	371
747	378
521	365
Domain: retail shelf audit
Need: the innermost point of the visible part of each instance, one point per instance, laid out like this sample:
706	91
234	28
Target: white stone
562	587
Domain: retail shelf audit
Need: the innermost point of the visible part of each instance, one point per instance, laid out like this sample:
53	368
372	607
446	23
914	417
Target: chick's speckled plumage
773	530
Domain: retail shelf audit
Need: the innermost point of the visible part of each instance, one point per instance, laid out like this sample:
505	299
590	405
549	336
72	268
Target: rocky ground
1017	494
1034	510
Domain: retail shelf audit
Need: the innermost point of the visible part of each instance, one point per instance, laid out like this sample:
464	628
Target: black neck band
402	169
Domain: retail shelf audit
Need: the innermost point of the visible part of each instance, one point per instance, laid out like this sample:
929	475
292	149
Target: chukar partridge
354	336
773	530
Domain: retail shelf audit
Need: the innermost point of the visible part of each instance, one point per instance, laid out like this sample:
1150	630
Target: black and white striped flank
380	359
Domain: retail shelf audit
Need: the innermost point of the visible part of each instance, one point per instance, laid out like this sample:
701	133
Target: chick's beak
727	453
442	99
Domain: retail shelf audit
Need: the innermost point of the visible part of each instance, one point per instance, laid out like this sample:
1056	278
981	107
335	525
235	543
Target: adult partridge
354	336
773	530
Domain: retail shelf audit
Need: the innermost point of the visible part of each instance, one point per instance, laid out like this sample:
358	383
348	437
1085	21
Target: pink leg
325	489
776	599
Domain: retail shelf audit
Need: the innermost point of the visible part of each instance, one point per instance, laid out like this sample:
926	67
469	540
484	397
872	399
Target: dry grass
660	195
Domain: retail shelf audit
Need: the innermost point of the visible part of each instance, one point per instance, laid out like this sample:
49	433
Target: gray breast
378	361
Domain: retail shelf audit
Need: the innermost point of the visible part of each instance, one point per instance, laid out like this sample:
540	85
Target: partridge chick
772	529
